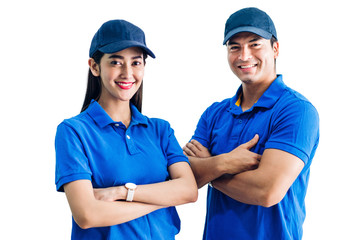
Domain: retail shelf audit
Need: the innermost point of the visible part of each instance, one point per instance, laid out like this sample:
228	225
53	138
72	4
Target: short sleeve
173	150
202	132
71	161
296	130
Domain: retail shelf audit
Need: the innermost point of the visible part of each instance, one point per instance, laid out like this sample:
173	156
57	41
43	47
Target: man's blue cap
249	20
116	35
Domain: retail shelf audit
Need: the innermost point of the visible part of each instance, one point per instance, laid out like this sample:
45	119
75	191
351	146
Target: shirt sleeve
71	161
173	150
296	130
202	131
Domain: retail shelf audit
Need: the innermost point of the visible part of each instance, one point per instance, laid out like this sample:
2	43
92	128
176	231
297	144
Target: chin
247	80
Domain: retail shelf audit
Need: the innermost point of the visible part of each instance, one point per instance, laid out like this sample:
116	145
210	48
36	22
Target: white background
43	61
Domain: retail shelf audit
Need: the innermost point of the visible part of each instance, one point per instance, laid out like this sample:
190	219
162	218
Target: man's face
252	58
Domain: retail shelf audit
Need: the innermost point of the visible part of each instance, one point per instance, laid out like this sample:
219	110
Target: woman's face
121	74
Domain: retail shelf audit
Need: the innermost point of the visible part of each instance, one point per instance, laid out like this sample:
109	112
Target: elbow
83	225
194	195
190	195
271	198
84	220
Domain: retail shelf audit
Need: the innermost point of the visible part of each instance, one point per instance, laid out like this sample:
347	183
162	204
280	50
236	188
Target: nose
126	71
245	54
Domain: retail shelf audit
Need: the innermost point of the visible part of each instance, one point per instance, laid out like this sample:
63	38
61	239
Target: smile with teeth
247	66
125	85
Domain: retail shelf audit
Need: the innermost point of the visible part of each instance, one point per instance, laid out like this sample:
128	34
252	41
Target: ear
94	67
276	49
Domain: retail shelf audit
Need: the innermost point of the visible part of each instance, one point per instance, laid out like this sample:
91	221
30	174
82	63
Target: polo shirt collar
101	117
137	117
267	100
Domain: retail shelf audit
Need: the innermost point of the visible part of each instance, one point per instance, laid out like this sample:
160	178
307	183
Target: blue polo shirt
284	120
92	146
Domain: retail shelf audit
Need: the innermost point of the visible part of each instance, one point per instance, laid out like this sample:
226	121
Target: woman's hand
110	194
89	212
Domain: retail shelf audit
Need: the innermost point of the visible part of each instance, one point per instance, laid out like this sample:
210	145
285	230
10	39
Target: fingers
187	149
196	149
251	143
198	145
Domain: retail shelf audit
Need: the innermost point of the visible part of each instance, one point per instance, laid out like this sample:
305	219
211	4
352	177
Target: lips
125	85
247	66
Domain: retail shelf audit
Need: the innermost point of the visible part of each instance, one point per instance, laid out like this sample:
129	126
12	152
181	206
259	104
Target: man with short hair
255	149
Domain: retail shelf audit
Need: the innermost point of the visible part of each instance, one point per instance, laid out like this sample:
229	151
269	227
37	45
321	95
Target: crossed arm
242	176
99	207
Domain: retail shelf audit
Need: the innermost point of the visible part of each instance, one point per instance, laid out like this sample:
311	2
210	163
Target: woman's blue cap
249	20
116	35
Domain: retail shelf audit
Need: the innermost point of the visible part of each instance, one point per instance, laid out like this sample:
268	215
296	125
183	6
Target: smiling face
252	58
121	74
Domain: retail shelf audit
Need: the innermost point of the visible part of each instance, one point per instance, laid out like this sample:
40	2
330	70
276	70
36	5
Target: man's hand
196	149
207	167
241	159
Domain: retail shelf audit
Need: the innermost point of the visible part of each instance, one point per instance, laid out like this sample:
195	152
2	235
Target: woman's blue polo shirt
92	146
284	120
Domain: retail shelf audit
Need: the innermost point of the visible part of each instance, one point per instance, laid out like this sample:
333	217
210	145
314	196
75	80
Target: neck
252	93
119	111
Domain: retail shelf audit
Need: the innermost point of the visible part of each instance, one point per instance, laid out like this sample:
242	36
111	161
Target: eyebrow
121	57
252	40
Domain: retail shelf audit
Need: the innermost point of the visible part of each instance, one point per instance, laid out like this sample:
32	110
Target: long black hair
93	89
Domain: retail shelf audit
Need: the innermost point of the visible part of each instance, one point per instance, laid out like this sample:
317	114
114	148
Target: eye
256	44
137	63
115	62
233	48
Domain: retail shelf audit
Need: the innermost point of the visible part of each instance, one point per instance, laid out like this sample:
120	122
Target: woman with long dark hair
121	171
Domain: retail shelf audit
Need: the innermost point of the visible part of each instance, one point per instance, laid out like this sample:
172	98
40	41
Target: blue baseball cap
251	20
116	35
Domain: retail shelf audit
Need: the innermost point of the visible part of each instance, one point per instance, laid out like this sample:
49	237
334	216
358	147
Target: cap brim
121	45
257	31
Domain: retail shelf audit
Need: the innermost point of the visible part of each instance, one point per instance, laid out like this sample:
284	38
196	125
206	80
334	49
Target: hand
196	149
241	159
110	194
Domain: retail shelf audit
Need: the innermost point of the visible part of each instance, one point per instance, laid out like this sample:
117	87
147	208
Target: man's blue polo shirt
92	146
284	120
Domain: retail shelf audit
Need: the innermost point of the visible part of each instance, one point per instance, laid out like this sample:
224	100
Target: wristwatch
131	191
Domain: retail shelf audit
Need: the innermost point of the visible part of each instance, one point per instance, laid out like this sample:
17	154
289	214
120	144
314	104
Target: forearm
89	212
180	190
266	185
170	193
248	187
206	169
103	213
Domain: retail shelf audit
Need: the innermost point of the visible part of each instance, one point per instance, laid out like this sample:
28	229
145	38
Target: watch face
130	185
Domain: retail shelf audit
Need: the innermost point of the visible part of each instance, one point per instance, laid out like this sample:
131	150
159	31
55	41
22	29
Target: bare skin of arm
266	185
181	189
207	168
98	207
89	212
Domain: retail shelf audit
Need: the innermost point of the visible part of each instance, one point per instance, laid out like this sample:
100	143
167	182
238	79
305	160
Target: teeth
124	84
248	66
